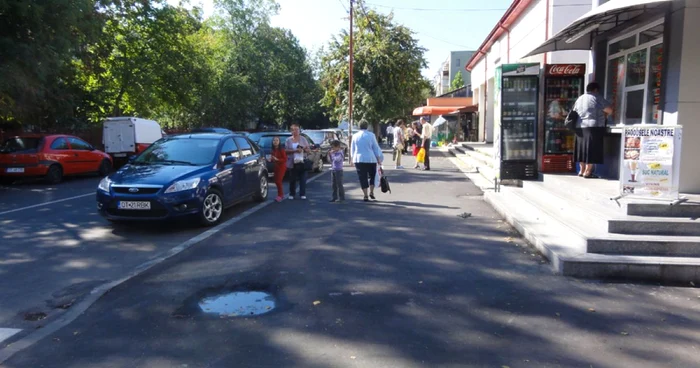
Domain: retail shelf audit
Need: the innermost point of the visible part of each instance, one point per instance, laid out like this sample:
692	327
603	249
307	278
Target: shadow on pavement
367	285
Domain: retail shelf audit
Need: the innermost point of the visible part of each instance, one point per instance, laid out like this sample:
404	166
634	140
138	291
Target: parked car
344	141
212	130
185	175
264	140
51	157
126	136
243	133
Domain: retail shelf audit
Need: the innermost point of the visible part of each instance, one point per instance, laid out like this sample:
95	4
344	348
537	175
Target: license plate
120	155
134	205
15	169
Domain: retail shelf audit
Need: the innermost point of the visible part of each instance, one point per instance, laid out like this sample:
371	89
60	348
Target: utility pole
350	122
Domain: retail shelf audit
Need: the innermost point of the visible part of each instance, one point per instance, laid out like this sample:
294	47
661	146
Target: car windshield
21	145
266	141
191	151
316	136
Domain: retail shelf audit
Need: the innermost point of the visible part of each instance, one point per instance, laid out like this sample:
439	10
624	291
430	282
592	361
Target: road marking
76	310
47	203
6	333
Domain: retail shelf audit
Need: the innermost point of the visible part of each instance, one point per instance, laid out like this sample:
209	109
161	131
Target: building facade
448	70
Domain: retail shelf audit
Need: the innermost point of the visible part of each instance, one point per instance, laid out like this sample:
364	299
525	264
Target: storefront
645	55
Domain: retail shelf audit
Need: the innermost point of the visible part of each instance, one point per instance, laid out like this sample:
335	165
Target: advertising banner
650	160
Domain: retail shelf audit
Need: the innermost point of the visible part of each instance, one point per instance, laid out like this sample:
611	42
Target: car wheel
55	174
261	194
212	208
105	168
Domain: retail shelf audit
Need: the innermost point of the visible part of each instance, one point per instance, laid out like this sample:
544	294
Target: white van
126	136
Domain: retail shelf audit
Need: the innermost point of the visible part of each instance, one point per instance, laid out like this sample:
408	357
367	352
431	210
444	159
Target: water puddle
238	304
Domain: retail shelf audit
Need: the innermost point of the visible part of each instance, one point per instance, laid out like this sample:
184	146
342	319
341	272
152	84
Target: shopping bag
421	156
384	184
377	177
415	149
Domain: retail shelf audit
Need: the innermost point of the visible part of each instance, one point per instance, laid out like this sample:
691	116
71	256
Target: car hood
155	174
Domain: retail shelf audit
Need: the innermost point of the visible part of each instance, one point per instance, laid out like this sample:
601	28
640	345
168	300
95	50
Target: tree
458	81
387	70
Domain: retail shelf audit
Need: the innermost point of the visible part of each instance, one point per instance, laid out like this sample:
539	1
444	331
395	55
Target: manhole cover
238	304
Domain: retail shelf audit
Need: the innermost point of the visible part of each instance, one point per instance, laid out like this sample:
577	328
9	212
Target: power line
343	5
437	9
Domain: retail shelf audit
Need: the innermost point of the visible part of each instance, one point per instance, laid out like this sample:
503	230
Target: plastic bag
378	177
421	156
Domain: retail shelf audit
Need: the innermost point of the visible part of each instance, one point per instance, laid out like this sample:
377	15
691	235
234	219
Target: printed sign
564	70
650	161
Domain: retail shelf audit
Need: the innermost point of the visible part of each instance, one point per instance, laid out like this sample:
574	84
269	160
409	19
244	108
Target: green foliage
457	81
69	63
387	70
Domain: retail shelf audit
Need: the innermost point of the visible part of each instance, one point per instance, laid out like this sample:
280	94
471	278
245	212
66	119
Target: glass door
560	95
519	118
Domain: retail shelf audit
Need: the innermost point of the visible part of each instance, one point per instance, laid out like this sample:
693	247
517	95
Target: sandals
372	196
592	176
366	199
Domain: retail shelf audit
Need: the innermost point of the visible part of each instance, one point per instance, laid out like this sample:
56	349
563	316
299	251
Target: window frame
70	141
647	73
242	150
65	140
236	154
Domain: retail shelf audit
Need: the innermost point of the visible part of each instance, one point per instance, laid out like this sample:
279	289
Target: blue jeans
297	173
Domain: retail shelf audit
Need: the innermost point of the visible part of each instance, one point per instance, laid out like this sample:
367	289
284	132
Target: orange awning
434	110
443	110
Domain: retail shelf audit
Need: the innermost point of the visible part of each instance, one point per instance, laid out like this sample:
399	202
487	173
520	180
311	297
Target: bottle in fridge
563	84
519	96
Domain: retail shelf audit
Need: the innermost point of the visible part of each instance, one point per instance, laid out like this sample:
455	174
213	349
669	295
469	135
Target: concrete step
481	154
595	192
645	245
640	225
479	166
688	210
677	270
566	247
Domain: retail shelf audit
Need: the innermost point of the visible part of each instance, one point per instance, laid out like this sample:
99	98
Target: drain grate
238	304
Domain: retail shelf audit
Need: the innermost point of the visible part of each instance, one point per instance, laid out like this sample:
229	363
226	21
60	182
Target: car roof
204	135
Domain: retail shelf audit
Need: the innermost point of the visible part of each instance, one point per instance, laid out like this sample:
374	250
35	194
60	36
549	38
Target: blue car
185	175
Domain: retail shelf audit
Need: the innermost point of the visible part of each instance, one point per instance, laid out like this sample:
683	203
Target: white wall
682	100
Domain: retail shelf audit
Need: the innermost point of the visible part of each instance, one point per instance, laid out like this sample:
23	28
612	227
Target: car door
86	159
231	175
60	152
250	162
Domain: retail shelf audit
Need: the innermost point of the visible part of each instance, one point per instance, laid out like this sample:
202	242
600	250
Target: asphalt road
55	248
428	276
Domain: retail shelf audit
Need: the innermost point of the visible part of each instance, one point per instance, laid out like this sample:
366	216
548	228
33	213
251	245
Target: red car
51	156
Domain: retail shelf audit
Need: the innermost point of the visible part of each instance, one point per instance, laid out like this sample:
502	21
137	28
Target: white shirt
398	136
427	131
389	130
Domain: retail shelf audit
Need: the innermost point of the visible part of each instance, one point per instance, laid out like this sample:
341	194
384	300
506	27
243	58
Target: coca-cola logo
567	69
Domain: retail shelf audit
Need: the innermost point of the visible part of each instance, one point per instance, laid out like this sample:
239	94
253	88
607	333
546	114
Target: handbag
421	156
384	184
308	164
571	120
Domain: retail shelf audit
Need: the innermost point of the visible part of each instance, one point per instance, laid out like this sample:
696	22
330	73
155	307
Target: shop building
524	26
645	55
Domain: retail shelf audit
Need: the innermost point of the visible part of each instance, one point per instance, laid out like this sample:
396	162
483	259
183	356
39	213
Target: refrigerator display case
563	84
519	116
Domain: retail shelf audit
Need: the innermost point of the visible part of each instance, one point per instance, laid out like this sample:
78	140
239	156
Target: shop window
633	78
636	68
622	45
654	84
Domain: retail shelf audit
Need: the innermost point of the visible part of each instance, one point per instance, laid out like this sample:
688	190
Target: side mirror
91	148
228	160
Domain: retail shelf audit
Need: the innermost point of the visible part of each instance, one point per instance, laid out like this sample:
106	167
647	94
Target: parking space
56	248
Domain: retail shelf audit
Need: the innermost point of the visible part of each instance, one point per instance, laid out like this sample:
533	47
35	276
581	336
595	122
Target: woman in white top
366	154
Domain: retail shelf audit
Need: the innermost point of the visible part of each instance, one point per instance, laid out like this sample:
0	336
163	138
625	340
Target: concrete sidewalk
428	276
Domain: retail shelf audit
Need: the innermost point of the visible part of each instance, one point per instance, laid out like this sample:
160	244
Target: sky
440	26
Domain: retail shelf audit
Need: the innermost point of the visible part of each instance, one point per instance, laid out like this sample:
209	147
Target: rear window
266	142
21	145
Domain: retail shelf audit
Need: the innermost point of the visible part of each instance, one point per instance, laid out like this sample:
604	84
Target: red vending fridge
563	85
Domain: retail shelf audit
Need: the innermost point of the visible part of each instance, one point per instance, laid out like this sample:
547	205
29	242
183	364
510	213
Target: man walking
390	134
425	135
398	143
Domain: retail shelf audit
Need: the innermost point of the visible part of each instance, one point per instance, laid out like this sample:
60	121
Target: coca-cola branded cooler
563	84
519	91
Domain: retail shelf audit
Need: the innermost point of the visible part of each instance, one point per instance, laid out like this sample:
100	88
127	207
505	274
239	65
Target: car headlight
181	185
104	184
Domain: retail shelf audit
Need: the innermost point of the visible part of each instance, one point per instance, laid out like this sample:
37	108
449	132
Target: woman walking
296	146
591	108
366	154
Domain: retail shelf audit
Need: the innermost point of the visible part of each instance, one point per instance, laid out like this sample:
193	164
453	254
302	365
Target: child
336	158
279	157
